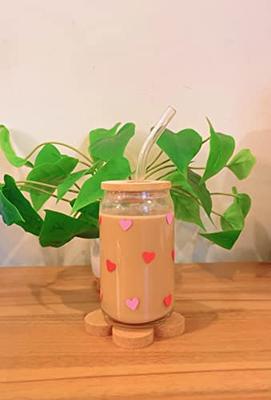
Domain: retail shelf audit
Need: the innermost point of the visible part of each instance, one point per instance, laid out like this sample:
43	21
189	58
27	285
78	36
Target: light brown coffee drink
137	267
137	263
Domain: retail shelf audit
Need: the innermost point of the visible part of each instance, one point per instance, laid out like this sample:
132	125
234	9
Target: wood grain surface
225	352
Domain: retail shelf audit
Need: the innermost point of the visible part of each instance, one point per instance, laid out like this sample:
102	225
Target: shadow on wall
256	236
255	242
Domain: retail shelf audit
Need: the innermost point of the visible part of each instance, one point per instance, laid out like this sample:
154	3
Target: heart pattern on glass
168	300
169	218
110	265
132	303
148	256
125	224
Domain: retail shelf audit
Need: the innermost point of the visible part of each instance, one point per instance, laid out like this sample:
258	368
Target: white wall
70	65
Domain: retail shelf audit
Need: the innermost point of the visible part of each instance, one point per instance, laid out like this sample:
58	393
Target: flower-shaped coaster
130	337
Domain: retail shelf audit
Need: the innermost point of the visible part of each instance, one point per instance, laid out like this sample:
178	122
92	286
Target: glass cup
137	251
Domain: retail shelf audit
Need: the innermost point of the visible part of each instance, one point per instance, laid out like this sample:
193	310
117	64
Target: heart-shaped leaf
48	154
59	229
8	150
15	208
225	239
201	191
186	208
234	217
91	212
181	147
221	149
9	212
179	181
242	163
192	186
244	202
111	145
52	174
71	179
117	168
101	133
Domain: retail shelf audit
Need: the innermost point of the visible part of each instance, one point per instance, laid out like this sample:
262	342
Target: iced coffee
137	251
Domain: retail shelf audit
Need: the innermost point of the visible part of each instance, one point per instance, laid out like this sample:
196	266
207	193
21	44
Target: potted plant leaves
52	172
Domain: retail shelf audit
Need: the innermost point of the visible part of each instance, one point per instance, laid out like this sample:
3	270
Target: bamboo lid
135	186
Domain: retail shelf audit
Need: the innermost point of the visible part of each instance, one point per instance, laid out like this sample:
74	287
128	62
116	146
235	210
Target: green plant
77	181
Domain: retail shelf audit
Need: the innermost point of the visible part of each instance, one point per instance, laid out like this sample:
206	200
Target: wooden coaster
130	338
134	338
96	325
174	325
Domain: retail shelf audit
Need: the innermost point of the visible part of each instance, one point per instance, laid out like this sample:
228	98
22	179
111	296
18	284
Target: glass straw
154	135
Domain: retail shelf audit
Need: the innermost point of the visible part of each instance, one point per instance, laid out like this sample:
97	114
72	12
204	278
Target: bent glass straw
154	135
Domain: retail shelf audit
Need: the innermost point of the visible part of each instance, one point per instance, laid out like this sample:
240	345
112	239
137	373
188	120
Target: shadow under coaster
133	337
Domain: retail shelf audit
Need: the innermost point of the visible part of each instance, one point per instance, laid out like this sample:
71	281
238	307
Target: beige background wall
68	66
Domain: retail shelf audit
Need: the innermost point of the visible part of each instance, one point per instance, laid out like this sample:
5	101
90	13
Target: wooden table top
225	352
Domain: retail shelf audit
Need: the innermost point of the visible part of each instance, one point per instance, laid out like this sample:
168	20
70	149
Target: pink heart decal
169	218
110	266
125	224
132	303
168	300
148	256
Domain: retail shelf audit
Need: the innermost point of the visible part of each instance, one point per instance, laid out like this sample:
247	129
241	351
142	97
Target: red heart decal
148	256
110	266
173	255
168	300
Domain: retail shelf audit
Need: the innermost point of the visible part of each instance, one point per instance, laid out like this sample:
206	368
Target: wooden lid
135	186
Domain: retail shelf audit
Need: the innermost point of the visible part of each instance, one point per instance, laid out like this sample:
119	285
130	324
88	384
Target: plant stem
43	184
84	163
196	167
165	175
156	159
160	164
60	144
216	213
222	194
206	140
157	170
45	191
37	183
77	186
